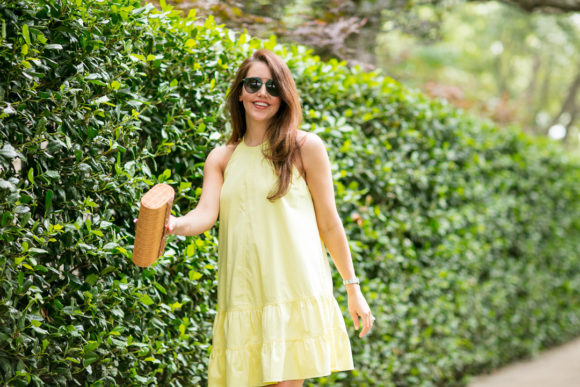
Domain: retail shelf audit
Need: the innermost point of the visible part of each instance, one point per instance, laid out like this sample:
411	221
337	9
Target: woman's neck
255	133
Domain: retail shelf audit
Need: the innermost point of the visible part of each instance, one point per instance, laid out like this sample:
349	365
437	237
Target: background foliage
512	61
466	236
497	61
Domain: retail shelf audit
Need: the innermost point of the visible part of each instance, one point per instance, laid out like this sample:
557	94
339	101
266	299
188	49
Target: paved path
557	367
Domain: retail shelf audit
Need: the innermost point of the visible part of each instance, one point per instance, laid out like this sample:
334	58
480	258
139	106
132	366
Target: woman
278	321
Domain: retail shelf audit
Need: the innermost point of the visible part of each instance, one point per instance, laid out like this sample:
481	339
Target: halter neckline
260	145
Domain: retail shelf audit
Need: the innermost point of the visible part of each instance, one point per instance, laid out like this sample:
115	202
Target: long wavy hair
283	148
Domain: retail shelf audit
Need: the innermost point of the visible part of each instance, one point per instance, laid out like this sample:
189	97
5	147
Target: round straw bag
150	230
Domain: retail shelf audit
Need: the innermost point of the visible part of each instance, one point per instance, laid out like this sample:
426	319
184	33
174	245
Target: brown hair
283	147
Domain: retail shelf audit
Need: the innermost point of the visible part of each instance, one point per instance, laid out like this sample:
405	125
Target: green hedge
466	236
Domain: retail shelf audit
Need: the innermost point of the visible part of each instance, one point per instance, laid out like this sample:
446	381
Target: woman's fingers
354	316
366	327
170	226
358	308
368	321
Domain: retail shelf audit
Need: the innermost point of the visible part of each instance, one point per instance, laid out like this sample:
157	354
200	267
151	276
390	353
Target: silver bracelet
351	281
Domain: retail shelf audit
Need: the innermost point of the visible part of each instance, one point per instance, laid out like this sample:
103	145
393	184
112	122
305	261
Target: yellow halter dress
277	318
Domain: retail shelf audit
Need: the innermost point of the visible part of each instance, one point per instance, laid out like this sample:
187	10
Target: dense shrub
466	236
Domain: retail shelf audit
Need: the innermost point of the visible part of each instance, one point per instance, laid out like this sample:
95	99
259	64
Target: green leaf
52	174
41	38
160	287
91	346
26	34
108	269
89	358
39	330
21	209
31	175
117	312
92	279
146	300
48	200
97	82
110	246
8	153
201	128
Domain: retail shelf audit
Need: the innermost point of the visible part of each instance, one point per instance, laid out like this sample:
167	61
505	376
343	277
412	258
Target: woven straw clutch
150	230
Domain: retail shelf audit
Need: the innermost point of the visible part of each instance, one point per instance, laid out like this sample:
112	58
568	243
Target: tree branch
569	104
546	6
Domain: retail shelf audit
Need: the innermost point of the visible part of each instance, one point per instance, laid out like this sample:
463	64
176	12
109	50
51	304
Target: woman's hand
171	223
358	307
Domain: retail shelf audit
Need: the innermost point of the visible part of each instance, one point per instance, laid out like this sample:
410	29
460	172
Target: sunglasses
253	84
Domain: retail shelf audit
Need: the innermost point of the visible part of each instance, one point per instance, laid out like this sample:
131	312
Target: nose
262	90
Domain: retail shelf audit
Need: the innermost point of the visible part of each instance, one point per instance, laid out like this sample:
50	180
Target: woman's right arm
205	214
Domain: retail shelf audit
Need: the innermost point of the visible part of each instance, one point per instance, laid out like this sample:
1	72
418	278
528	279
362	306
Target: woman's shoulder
310	143
220	155
313	153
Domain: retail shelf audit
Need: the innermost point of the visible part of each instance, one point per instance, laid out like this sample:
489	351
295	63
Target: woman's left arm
319	179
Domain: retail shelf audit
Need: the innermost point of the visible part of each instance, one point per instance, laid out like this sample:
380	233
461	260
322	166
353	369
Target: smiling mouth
261	104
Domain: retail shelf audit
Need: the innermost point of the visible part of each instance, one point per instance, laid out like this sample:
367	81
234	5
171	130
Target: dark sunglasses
253	84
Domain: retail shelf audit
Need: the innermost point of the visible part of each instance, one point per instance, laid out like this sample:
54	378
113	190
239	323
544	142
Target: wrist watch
351	281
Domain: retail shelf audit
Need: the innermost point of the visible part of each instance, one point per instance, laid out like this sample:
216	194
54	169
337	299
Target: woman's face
260	106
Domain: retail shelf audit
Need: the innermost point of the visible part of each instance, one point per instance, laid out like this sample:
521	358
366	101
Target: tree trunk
531	90
573	116
569	105
548	6
546	83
